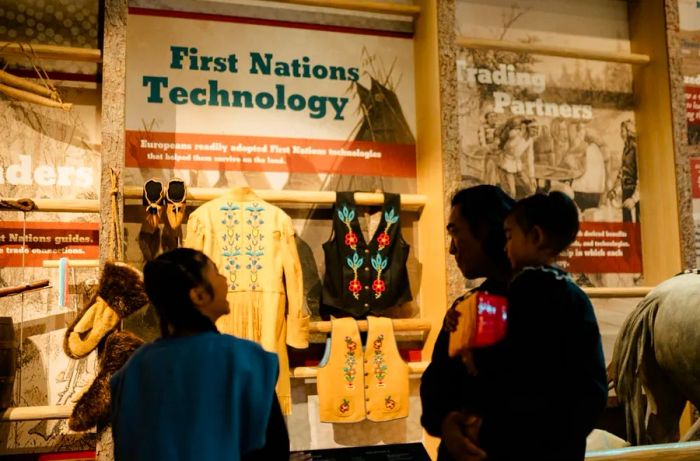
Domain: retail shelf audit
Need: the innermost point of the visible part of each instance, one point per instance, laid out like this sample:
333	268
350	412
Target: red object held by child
491	319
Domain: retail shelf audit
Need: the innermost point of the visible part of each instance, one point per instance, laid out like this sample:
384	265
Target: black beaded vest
363	277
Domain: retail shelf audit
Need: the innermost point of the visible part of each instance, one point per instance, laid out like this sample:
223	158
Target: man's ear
199	296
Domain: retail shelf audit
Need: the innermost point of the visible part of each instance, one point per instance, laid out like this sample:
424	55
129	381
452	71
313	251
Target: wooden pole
399	325
63	206
414	368
37	413
17	289
623	292
27	85
408	201
550	50
26	96
365	6
51	263
666	451
52	52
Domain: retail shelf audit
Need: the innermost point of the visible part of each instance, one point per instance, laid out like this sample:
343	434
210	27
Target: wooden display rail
399	325
666	451
36	413
364	6
414	368
50	263
622	292
413	202
52	52
62	206
549	50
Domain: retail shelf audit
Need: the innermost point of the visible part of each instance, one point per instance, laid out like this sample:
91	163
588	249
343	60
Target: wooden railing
553	50
686	451
401	9
51	52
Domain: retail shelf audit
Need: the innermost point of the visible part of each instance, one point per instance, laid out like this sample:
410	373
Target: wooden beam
61	206
37	413
364	6
24	84
414	368
431	246
27	96
656	162
51	263
51	52
399	325
408	201
686	451
622	292
551	50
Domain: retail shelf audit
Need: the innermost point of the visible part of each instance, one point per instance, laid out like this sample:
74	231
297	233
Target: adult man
477	241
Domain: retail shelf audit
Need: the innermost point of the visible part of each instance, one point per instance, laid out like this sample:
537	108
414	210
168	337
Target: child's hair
168	280
555	213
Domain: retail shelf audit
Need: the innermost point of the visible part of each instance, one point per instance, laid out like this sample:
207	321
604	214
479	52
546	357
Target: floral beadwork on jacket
254	247
231	246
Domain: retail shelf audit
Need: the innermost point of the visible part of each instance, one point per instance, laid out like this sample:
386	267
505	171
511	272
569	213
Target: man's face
464	246
491	118
532	131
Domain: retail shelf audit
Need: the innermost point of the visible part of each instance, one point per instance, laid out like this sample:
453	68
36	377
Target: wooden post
113	113
113	103
661	245
663	159
437	141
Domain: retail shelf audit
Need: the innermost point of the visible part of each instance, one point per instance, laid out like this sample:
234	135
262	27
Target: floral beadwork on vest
365	273
356	262
347	215
350	361
383	239
380	367
379	389
344	406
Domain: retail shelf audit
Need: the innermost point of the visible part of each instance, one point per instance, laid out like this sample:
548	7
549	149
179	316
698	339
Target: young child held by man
552	380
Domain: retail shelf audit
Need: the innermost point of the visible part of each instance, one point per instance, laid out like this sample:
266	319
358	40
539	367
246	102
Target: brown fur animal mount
93	407
119	295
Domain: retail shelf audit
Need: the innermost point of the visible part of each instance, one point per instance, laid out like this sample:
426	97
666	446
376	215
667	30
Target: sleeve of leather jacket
297	315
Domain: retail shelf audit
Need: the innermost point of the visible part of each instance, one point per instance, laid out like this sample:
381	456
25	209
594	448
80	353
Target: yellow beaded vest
354	385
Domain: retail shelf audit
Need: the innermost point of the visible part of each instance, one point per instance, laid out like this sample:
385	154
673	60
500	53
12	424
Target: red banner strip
250	153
